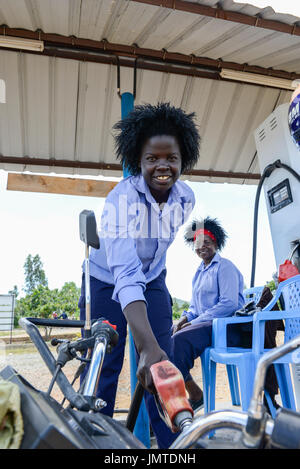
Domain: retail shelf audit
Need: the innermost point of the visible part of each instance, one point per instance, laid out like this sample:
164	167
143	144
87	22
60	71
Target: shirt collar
177	190
215	260
139	183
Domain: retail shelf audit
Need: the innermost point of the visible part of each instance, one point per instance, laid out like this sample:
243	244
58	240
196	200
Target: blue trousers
190	342
159	308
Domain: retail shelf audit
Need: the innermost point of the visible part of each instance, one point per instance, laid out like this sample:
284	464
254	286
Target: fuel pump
278	150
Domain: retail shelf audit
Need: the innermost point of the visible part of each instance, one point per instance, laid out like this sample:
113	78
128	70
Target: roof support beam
143	64
219	13
26	161
91	50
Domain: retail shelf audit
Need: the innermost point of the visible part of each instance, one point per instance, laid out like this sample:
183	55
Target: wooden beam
59	185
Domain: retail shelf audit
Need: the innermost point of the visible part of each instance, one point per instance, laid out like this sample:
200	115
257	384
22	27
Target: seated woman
217	292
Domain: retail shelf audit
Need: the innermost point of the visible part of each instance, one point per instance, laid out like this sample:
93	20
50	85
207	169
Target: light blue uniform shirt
217	291
135	235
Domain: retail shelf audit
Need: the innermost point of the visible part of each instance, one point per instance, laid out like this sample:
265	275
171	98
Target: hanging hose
267	172
119	77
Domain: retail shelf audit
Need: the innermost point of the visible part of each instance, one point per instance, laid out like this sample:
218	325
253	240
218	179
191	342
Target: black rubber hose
135	406
254	245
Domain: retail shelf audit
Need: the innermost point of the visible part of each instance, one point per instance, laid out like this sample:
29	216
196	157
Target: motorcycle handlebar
56	322
72	396
213	421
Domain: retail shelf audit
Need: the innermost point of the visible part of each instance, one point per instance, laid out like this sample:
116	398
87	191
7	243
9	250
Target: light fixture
2	92
257	79
20	43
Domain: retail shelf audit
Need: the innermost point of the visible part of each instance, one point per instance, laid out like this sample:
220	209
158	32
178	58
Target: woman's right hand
149	356
183	320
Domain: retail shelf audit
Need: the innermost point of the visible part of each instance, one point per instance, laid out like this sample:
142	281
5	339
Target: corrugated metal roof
156	27
64	109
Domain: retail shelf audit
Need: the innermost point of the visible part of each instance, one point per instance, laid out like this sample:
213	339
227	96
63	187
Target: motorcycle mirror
88	229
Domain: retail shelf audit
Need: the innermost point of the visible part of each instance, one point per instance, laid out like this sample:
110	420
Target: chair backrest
290	290
252	294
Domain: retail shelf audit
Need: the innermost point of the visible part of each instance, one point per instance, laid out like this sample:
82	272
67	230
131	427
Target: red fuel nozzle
171	394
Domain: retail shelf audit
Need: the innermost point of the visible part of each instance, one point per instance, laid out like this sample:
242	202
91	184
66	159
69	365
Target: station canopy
65	64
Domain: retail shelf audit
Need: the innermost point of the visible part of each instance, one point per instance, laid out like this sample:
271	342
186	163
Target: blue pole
141	429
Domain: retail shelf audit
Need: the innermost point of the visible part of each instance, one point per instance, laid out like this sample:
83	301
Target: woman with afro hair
156	144
217	291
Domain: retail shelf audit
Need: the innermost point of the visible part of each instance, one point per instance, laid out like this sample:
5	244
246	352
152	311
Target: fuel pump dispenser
279	161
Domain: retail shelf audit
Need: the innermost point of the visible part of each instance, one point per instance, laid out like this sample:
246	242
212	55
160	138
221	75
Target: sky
48	225
280	6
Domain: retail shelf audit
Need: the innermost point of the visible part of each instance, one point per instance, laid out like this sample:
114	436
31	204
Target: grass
21	350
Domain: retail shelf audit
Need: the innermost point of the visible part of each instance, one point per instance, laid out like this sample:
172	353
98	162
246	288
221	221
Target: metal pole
91	384
12	317
87	326
141	429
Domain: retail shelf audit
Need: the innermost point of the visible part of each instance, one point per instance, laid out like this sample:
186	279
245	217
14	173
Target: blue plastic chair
249	294
240	360
290	291
253	294
245	360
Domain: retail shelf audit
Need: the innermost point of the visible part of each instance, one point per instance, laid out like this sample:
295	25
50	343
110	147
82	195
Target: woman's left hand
186	324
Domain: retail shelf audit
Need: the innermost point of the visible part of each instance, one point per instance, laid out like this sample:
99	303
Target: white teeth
163	178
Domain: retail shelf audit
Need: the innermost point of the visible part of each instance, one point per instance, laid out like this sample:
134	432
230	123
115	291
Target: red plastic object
112	325
287	270
170	389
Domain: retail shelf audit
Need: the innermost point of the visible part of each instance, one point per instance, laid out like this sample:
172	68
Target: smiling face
161	165
206	248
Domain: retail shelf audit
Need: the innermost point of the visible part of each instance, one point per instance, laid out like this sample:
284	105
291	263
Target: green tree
34	274
271	285
43	302
175	306
68	298
178	310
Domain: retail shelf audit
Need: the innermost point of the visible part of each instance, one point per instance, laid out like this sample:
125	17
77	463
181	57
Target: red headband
204	232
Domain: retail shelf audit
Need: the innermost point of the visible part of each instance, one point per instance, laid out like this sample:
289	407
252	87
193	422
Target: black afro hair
210	224
146	121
